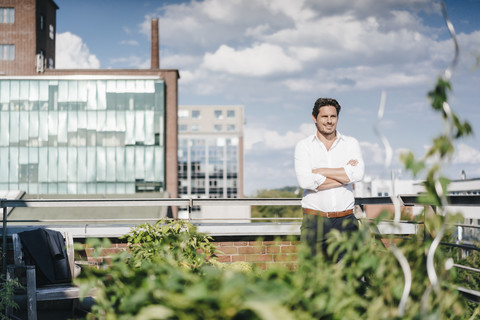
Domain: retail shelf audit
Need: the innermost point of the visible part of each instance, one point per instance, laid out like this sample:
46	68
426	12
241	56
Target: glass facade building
82	134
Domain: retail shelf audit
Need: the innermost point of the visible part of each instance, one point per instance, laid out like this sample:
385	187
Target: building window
51	32
195	127
182	127
218	114
217	127
196	114
41	22
7	15
183	114
60	141
230	127
230	113
7	52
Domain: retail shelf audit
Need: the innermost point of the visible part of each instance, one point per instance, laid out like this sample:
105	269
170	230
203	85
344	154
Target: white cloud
298	10
179	61
361	46
219	10
466	154
304	53
373	153
259	60
271	139
372	45
72	53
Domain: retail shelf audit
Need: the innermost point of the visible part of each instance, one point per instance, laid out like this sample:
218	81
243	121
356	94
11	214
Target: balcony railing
287	225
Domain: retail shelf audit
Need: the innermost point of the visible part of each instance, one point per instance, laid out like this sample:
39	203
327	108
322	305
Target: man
327	164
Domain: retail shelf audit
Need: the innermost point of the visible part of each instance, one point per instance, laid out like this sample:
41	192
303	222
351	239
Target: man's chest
336	157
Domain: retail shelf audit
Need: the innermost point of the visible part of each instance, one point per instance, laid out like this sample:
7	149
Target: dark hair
323	102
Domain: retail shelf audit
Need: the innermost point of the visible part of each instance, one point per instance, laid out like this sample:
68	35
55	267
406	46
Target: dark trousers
314	230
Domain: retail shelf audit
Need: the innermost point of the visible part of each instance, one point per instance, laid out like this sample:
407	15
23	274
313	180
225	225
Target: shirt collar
339	136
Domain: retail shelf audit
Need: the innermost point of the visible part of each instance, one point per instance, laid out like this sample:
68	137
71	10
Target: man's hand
337	176
352	162
322	171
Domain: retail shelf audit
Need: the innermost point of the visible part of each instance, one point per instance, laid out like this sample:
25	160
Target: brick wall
262	253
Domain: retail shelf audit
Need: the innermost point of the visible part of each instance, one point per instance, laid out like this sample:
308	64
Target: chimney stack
155	56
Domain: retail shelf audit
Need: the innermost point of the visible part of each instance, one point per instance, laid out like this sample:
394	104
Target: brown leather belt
337	214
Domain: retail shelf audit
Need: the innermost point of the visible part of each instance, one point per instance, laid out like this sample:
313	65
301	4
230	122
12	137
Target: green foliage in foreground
178	239
469	279
366	284
7	287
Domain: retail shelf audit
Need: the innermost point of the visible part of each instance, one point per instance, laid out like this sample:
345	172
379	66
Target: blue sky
276	57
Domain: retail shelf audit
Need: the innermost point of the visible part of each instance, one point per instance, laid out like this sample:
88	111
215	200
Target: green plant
468	278
178	237
7	290
366	284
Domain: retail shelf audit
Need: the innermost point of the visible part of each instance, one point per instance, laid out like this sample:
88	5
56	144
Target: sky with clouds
276	57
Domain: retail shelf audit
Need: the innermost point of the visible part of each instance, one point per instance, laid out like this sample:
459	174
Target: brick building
27	36
80	131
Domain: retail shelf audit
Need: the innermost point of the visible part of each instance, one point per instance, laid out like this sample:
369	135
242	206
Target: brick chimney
155	56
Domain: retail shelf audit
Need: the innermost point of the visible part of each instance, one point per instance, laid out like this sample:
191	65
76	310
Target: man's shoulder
349	139
308	139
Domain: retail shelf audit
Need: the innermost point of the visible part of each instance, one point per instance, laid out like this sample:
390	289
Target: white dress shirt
311	153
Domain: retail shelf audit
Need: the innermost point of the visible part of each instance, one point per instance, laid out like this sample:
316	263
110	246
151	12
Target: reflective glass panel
4	128
4	156
139	163
101	164
43	164
52	164
72	164
82	165
62	164
14	126
120	161
111	165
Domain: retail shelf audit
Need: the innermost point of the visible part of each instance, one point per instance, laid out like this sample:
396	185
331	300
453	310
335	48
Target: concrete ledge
212	229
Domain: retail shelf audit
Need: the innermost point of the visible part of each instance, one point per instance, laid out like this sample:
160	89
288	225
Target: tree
278	211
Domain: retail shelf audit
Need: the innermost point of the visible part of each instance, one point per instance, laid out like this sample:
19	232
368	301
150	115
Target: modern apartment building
210	151
80	131
210	159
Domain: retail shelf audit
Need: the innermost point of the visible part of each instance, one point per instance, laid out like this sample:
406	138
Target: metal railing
405	200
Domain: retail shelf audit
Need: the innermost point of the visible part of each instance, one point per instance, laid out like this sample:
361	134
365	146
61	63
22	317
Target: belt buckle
328	214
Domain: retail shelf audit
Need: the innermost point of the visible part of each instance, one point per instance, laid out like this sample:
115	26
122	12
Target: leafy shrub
7	288
366	284
178	238
467	278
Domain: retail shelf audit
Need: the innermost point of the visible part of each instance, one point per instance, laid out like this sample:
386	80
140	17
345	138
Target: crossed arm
326	178
335	177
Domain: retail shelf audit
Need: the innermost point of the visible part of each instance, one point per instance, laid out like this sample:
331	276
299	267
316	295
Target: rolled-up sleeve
303	170
355	173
